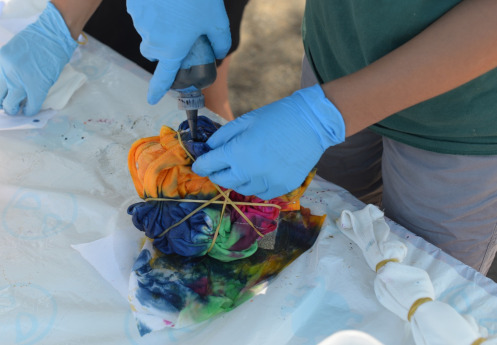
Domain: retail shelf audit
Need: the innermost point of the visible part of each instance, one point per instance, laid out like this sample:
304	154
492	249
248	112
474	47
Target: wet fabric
161	169
174	283
176	291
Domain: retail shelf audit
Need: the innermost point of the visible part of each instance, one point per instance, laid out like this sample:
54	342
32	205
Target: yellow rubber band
226	197
84	41
416	305
216	233
200	201
205	203
384	262
189	215
479	341
180	141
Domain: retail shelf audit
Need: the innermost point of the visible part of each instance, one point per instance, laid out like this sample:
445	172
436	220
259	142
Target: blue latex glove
269	152
170	27
31	62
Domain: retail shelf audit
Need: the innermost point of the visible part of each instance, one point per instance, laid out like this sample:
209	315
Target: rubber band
189	215
205	203
479	341
416	305
382	263
216	233
238	210
200	201
84	41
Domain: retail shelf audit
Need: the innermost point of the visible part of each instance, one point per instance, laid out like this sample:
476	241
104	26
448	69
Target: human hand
269	152
169	29
31	62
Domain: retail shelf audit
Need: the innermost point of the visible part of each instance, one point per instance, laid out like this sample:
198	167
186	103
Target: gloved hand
269	152
170	27
31	62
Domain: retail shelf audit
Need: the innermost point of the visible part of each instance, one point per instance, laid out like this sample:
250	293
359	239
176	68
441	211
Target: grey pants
449	200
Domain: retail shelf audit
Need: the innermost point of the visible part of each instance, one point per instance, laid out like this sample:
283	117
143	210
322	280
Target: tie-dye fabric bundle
198	263
161	169
176	291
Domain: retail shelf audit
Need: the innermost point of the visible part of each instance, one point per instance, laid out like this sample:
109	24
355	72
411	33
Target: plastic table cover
67	184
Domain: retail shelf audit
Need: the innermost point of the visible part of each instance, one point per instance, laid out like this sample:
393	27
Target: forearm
76	13
457	48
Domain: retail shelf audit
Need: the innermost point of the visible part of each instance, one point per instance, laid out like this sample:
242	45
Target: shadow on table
492	273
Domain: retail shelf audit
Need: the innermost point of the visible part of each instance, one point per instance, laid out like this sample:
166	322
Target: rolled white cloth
368	229
399	286
405	290
437	323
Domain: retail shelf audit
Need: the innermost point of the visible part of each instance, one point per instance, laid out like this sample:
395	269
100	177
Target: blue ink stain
26	327
43	220
36	120
32	323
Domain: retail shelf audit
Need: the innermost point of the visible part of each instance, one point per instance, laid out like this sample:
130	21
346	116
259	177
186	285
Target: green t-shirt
343	36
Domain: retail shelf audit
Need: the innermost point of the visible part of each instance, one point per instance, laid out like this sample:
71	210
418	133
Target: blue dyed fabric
205	128
194	236
190	238
168	175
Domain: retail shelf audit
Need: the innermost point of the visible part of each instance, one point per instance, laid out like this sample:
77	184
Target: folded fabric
368	229
203	257
177	291
161	171
405	290
408	292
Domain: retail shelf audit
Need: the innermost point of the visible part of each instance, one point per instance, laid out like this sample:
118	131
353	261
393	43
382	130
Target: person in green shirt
431	165
398	105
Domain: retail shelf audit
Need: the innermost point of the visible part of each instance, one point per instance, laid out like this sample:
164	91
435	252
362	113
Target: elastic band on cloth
205	203
479	341
382	263
83	41
416	305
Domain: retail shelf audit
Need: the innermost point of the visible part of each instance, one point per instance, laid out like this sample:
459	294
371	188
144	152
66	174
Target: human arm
76	13
44	48
457	48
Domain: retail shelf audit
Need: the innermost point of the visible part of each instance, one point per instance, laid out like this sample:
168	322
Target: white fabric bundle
405	290
368	229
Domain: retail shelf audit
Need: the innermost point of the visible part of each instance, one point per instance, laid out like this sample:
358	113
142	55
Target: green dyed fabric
223	248
170	290
341	37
